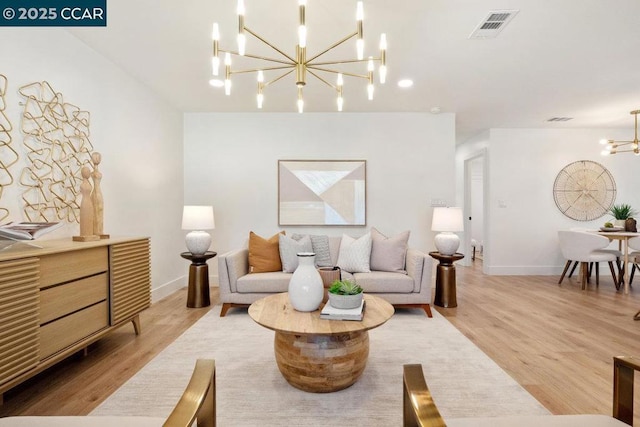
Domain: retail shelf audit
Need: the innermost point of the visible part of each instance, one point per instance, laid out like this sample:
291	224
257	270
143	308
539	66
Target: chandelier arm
336	44
263	58
278	78
327	70
322	80
345	61
269	44
255	70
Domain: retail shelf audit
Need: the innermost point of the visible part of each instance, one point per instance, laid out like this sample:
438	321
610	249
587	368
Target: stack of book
331	313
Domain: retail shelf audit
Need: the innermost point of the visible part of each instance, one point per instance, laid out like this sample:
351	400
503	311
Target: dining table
623	245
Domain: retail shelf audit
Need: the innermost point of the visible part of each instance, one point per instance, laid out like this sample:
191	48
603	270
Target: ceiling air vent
494	22
559	119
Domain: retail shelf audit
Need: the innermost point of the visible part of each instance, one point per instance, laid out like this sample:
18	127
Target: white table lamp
198	219
447	221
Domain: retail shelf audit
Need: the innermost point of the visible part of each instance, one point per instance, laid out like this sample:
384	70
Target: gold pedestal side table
198	294
446	279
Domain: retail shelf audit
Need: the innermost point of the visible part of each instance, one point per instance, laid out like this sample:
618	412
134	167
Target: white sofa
239	288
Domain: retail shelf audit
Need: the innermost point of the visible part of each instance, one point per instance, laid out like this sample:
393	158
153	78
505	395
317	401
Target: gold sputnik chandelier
300	64
613	147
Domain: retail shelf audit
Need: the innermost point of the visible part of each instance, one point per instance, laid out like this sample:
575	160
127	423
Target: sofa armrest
418	266
231	266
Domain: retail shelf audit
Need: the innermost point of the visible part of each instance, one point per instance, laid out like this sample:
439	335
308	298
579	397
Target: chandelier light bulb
260	99
302	36
242	44
300	106
340	103
360	49
215	33
241	9
340	80
227	87
383	41
302	2
227	58
260	76
370	64
359	11
604	141
382	71
370	91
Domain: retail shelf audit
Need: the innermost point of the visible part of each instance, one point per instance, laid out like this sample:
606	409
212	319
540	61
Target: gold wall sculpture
56	139
8	156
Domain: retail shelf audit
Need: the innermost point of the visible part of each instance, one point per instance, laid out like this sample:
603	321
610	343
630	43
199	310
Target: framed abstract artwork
322	192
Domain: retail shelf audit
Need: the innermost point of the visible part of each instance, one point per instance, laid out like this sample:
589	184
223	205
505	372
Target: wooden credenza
58	299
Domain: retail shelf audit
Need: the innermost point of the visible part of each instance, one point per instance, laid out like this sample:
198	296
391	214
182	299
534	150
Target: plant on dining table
622	211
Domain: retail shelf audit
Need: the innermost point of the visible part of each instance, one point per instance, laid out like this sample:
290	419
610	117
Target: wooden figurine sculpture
96	198
86	209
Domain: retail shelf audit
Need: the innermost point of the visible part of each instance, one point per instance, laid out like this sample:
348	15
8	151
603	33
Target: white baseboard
168	288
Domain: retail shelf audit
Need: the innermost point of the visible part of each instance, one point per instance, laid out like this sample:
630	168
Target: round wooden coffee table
315	354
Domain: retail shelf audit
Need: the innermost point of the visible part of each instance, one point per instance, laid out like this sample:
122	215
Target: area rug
252	392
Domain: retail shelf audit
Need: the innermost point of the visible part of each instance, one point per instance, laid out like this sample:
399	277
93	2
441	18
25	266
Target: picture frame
322	192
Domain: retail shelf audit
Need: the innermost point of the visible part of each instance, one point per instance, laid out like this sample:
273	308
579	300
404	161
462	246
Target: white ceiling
556	58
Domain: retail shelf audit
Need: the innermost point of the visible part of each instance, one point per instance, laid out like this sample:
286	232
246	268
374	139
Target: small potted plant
621	213
345	294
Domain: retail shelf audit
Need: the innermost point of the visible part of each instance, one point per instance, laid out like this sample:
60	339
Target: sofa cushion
273	282
320	245
388	253
384	282
289	249
355	254
264	255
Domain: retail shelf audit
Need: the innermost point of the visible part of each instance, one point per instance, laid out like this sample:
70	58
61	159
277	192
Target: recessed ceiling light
435	110
405	83
216	82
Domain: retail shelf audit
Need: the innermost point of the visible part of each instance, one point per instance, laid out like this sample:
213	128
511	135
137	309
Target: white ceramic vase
305	287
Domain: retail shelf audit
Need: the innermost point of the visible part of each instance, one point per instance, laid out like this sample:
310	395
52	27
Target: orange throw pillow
264	255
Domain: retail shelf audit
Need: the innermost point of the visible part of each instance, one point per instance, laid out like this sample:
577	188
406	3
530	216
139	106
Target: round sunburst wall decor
584	190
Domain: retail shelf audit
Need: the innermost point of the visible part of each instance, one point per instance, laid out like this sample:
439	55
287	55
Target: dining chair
634	257
587	248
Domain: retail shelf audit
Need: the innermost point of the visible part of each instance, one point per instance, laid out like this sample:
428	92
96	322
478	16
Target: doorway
474	195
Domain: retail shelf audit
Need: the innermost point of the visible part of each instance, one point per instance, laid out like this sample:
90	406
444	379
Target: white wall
138	134
523	166
231	162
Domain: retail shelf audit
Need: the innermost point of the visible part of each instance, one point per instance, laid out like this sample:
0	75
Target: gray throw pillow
320	244
388	253
355	254
289	249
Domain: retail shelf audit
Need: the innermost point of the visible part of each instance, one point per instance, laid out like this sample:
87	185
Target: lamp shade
447	219
198	218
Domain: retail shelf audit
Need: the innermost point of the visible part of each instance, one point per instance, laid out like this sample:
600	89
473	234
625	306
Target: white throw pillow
355	254
388	253
289	249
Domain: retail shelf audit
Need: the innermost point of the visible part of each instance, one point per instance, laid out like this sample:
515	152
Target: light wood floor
556	341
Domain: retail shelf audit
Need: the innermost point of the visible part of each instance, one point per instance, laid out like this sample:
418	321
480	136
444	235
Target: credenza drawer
67	266
70	329
61	300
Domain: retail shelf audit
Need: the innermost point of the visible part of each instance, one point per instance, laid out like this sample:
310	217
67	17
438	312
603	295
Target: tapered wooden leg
575	264
613	274
633	271
597	274
136	325
566	267
584	274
